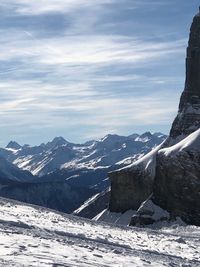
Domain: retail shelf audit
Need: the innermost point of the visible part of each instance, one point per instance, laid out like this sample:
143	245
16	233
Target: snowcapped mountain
69	174
60	154
35	236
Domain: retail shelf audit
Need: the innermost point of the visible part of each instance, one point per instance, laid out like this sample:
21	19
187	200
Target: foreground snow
34	236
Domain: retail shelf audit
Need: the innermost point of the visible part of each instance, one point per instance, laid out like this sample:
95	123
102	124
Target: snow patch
192	142
149	209
114	217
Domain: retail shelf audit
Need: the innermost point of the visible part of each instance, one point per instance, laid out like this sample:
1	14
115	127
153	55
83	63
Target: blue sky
85	68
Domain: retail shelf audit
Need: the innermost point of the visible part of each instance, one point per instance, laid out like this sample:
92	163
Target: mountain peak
188	118
13	145
57	141
146	134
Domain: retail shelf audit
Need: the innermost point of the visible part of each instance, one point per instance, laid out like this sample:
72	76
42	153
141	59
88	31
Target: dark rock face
188	118
177	185
13	145
129	188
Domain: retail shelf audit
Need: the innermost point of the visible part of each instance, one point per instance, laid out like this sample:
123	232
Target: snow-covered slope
9	173
60	154
190	143
94	205
34	236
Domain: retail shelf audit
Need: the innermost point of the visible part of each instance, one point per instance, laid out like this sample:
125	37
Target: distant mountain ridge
61	154
62	175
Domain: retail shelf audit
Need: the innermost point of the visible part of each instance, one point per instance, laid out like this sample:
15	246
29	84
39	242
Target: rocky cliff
177	180
131	186
188	118
168	178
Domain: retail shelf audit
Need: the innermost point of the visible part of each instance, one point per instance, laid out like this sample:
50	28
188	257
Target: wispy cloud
30	7
64	67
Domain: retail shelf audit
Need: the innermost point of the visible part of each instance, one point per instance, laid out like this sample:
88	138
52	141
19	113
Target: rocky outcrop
149	213
177	180
132	185
128	193
188	118
174	183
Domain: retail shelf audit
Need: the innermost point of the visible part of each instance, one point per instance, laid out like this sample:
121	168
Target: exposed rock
128	192
188	118
13	145
177	180
148	213
132	185
174	178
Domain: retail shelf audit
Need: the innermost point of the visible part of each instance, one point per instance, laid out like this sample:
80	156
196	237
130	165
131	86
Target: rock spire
188	118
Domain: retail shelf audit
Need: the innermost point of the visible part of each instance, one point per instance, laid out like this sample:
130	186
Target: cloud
30	7
63	68
80	50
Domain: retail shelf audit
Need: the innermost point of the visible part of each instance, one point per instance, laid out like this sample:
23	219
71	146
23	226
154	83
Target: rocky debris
148	213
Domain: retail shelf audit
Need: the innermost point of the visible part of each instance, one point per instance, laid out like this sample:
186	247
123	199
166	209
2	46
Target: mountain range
61	154
62	175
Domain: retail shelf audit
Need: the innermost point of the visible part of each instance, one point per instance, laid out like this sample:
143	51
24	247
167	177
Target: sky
82	69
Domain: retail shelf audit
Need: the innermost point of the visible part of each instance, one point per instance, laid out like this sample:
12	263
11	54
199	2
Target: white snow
152	210
86	203
140	139
114	217
34	236
192	142
59	154
146	163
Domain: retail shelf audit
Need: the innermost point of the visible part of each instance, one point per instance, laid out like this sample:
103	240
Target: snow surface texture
34	236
